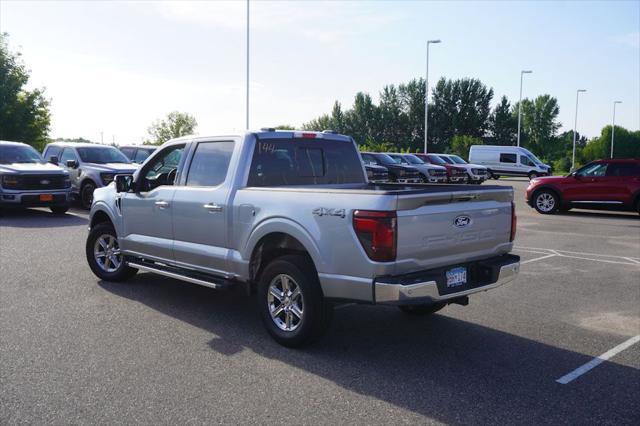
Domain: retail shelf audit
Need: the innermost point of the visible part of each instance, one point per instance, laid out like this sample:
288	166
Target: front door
201	209
590	185
74	173
148	210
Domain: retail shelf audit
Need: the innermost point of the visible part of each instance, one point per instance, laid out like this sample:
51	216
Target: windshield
457	159
396	158
12	154
386	159
101	155
534	158
446	160
412	159
434	159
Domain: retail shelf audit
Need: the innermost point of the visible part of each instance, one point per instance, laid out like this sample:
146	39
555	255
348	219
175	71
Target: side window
508	158
52	151
210	163
594	170
526	161
67	154
141	155
163	169
623	170
128	152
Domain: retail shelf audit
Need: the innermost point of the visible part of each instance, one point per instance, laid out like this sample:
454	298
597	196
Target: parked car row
422	168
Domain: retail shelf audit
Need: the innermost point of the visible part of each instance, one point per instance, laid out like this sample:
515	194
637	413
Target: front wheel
104	256
86	195
423	309
291	303
546	202
533	175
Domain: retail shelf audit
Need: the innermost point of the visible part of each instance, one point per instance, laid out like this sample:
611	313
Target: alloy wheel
285	302
106	253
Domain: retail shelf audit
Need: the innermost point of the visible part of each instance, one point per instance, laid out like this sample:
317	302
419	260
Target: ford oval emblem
45	182
461	221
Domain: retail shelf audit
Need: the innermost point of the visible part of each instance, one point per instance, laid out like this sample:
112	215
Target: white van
508	161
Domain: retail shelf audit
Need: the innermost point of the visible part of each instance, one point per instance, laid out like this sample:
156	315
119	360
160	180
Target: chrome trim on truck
427	291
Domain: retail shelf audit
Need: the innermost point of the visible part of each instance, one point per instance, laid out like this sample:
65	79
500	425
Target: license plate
46	197
456	277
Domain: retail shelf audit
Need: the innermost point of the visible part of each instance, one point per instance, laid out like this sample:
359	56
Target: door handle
162	204
213	207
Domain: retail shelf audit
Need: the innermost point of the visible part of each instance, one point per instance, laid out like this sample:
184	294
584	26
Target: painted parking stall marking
567	378
595	257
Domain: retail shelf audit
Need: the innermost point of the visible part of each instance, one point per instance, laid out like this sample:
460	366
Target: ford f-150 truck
290	216
26	180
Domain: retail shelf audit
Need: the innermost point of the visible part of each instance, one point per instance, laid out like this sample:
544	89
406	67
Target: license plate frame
456	277
45	197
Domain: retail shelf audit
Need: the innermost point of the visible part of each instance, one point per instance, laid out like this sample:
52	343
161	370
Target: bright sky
115	67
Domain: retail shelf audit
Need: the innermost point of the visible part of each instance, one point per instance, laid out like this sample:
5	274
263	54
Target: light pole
575	126
247	100
613	125
426	96
522	73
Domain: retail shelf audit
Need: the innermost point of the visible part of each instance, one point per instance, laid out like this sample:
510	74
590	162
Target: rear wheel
59	209
104	256
424	309
492	175
546	202
86	195
291	303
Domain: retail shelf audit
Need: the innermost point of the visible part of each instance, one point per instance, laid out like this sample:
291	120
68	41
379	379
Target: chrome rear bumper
412	290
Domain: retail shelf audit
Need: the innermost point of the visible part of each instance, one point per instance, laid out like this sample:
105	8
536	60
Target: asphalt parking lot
155	350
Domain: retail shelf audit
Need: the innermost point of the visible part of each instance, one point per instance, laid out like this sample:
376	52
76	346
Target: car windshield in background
13	154
386	159
436	160
457	159
412	159
534	158
101	155
285	162
396	159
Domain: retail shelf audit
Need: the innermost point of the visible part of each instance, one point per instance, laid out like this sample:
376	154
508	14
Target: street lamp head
617	102
434	41
526	72
582	90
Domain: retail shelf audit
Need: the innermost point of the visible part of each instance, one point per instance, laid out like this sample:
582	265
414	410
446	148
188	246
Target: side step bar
195	278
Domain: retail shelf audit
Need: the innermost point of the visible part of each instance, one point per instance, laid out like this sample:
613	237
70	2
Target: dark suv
397	172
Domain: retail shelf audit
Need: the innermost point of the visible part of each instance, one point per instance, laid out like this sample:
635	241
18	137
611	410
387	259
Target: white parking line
604	258
567	378
537	258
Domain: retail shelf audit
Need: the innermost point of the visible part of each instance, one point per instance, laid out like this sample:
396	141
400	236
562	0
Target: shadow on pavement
41	218
440	367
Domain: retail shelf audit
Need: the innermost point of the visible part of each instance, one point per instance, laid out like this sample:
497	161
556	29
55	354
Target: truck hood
32	168
127	168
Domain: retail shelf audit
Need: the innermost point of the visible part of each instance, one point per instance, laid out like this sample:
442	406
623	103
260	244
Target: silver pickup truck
291	216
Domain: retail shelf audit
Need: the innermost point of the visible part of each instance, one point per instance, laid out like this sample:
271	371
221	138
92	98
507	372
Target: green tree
393	119
626	145
176	124
362	121
460	145
24	114
412	96
460	107
285	127
539	125
503	126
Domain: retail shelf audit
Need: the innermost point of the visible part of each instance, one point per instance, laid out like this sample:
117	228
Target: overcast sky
115	67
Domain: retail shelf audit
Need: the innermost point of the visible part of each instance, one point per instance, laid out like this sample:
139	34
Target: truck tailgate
449	228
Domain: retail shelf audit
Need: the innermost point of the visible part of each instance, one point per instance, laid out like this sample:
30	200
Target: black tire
316	311
86	195
493	175
123	272
421	310
59	209
532	175
546	202
638	205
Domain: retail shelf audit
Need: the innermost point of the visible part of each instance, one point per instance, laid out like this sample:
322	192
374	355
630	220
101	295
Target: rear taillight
514	221
376	231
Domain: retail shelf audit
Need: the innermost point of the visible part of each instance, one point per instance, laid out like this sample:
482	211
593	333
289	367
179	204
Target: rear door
621	180
201	209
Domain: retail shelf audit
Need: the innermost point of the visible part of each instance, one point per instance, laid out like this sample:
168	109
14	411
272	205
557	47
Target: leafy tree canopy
175	125
24	114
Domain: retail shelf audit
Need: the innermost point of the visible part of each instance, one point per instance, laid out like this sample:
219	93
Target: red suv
602	184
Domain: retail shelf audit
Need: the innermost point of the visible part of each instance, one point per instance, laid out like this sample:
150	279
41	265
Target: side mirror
54	160
72	164
124	183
